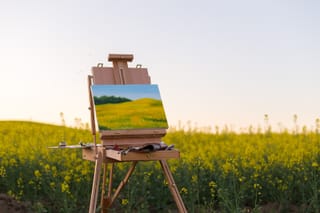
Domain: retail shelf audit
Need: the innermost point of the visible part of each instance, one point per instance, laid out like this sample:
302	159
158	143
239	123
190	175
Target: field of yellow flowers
217	172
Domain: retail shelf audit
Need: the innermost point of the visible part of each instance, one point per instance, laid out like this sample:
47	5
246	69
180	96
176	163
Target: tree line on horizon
110	99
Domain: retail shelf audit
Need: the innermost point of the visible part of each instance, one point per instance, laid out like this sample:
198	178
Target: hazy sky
216	62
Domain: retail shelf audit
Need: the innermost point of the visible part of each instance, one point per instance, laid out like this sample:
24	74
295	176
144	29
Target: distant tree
109	100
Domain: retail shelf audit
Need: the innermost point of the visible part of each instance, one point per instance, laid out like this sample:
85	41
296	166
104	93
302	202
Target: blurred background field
253	171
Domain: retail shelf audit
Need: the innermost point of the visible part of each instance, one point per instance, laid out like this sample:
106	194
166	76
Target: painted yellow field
141	113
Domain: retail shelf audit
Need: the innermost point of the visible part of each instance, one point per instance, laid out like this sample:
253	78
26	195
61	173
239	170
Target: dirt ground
10	205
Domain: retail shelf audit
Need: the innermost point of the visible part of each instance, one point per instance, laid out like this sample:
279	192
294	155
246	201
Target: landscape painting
133	106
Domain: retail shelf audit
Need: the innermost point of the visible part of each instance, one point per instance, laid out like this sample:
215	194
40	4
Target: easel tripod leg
124	181
95	184
106	200
173	187
103	187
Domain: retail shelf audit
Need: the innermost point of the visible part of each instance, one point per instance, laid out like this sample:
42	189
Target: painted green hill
140	113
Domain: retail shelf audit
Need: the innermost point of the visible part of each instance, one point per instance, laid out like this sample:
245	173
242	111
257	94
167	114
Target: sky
131	91
217	63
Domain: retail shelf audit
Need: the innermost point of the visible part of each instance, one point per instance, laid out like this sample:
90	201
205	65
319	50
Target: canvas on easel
129	114
132	106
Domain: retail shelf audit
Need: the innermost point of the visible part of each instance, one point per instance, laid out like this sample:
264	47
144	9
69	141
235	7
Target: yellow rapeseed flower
194	178
52	185
212	184
47	168
2	171
37	174
12	162
65	187
184	190
67	178
124	202
257	186
227	167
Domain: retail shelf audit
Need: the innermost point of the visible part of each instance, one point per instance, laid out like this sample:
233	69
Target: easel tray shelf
111	155
142	156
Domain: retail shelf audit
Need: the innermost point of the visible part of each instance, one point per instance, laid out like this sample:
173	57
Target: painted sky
132	92
216	62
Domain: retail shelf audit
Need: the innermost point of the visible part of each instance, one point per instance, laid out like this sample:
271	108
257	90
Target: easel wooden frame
103	155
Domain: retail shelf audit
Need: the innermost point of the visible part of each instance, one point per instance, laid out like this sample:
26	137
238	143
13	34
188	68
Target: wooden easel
104	153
